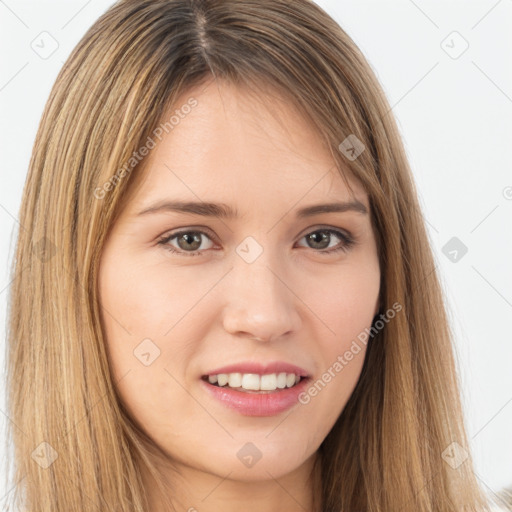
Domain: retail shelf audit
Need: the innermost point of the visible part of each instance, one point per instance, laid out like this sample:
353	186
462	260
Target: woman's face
190	293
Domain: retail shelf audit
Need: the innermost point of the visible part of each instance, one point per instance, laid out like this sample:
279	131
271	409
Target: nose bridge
258	300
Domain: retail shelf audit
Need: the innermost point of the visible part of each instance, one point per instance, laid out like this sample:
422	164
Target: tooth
268	382
255	382
235	380
222	379
281	380
251	381
290	380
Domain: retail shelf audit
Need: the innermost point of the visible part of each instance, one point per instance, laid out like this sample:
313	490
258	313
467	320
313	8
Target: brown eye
322	238
188	242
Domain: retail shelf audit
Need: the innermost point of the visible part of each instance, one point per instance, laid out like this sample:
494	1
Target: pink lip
257	403
261	369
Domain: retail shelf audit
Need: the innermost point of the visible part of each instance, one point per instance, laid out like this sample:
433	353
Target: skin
203	311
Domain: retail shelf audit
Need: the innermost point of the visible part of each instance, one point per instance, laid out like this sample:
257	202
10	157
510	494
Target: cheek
147	330
345	303
144	302
135	299
345	310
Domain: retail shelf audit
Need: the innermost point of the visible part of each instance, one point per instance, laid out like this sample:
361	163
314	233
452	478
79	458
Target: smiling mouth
254	383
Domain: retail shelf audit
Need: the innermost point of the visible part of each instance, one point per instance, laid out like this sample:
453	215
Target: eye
322	238
189	242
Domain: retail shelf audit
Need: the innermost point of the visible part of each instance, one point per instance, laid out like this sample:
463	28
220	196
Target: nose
260	302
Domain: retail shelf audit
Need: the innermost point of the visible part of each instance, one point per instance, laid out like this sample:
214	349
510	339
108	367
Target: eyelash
347	241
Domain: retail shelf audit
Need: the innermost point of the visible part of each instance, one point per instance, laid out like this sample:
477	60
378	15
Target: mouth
254	383
252	388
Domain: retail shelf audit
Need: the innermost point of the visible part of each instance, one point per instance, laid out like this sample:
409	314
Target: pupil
321	234
190	239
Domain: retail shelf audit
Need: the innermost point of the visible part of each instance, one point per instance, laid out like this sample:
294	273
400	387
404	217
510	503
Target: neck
192	490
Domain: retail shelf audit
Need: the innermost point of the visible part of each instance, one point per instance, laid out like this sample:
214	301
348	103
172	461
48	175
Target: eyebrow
225	211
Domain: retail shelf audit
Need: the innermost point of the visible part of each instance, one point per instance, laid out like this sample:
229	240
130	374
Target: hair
385	451
505	497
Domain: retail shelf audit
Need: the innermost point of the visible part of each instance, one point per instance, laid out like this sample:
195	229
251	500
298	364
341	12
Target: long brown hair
75	447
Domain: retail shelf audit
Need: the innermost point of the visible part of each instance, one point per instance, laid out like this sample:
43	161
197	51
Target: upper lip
260	368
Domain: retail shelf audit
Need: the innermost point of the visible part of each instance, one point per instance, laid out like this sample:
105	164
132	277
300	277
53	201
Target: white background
455	117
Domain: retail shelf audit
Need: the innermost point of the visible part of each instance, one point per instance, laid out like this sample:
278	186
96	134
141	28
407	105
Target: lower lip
257	404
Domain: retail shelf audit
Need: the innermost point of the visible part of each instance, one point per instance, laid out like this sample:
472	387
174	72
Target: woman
297	356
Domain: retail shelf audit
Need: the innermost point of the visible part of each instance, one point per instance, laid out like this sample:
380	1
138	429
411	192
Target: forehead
238	145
